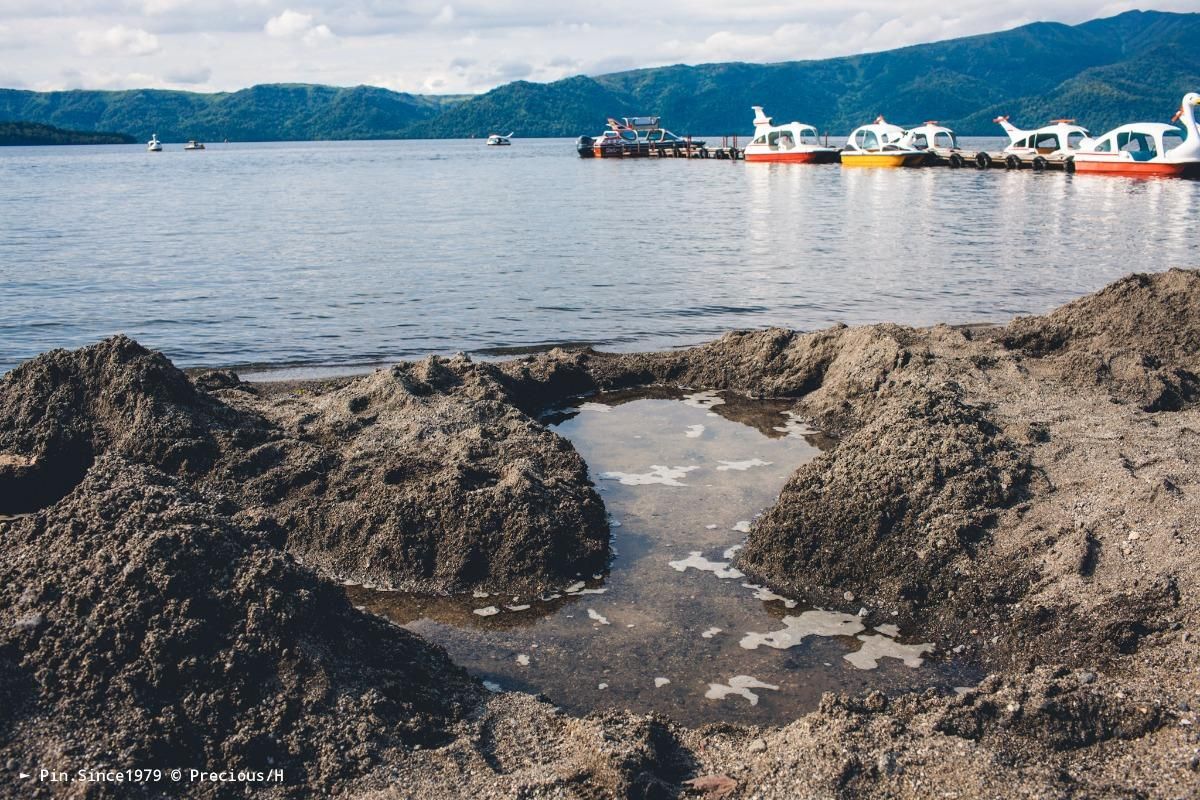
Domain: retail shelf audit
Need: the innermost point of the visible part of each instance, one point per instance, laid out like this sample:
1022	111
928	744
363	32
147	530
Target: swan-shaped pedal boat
1058	140
795	142
880	144
1147	148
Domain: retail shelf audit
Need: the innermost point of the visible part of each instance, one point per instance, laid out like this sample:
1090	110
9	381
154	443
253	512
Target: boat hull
816	157
1114	167
882	159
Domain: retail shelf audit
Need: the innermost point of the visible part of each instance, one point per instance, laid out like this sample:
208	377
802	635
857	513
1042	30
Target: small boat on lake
154	145
1058	139
193	145
1147	148
880	144
634	137
795	142
496	140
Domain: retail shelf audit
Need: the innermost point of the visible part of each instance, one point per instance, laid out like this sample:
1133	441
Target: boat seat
1141	155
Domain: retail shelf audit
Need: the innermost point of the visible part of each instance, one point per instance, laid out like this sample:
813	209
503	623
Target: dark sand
1027	494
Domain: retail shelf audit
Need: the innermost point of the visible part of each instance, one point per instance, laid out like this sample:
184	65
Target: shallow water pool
673	626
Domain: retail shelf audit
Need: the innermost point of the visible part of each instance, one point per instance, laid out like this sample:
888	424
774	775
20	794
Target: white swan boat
933	138
1147	148
795	142
1060	138
496	140
154	145
880	144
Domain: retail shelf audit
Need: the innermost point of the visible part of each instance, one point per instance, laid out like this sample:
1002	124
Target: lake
335	255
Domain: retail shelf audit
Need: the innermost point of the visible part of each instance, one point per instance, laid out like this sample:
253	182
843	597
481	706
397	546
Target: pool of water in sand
673	626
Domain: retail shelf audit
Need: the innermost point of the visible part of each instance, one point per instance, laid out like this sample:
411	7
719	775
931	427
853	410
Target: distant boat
1147	148
496	140
193	145
154	145
794	142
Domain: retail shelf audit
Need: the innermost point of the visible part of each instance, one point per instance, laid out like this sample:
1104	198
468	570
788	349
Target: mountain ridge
1105	72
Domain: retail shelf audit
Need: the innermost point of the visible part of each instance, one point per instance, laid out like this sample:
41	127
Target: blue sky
435	46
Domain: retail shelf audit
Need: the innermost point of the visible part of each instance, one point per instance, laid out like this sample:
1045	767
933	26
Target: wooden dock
956	159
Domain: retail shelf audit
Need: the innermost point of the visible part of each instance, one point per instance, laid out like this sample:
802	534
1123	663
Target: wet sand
1026	496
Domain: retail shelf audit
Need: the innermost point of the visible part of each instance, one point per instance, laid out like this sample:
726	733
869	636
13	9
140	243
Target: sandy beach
173	549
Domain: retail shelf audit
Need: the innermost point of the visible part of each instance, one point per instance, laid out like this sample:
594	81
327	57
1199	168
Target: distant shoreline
34	134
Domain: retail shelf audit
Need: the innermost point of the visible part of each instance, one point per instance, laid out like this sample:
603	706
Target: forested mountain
32	133
1134	66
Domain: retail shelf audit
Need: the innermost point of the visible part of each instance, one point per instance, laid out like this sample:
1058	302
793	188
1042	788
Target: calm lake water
354	253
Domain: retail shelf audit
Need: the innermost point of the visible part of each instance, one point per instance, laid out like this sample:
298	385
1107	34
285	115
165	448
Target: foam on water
695	431
697	561
739	685
742	466
667	476
876	646
796	629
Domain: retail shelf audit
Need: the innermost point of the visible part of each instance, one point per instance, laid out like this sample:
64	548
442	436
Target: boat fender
956	161
1040	163
983	160
1012	162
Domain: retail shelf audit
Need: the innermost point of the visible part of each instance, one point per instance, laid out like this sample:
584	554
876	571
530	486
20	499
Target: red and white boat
794	142
1147	148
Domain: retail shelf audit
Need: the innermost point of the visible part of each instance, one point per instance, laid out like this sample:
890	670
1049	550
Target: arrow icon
25	775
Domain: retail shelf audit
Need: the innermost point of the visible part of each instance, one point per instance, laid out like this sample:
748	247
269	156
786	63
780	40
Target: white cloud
295	25
117	41
458	46
190	77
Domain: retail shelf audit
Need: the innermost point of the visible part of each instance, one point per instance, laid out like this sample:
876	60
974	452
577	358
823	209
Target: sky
463	46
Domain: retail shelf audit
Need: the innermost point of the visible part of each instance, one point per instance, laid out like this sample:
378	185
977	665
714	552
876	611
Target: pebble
848	596
1087	677
757	746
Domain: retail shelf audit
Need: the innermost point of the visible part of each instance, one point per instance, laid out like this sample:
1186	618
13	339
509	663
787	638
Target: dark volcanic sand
1027	494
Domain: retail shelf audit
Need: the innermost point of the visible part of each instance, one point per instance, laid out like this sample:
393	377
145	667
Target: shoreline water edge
173	547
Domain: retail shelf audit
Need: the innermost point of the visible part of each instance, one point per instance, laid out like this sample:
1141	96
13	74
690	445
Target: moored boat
193	145
634	136
880	144
1147	148
496	140
154	145
794	142
1060	138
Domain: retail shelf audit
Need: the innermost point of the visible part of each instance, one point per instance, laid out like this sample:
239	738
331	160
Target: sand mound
143	628
891	507
61	410
1138	338
422	477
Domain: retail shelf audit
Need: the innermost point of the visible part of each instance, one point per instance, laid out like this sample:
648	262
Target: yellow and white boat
880	144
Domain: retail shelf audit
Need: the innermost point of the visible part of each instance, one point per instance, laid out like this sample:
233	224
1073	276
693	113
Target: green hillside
1104	72
32	133
267	112
1134	66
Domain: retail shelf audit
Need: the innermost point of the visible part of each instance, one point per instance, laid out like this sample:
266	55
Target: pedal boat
1060	138
933	138
793	143
880	144
1148	148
